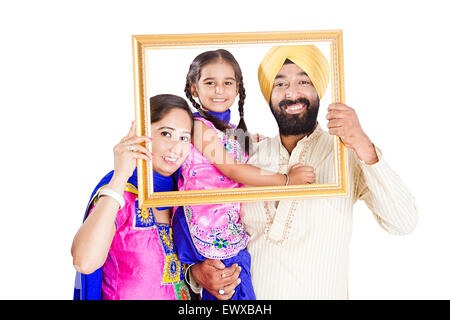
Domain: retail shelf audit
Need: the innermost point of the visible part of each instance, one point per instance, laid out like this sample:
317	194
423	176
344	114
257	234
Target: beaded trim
287	226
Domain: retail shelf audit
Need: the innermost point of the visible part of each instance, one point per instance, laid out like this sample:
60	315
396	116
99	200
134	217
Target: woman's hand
91	244
127	151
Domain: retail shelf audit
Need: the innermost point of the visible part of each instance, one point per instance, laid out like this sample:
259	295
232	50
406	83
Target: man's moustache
287	102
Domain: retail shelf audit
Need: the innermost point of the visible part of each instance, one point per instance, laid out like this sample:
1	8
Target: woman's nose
176	147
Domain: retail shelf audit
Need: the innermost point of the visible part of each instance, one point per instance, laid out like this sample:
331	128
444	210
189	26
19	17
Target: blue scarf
89	286
222	116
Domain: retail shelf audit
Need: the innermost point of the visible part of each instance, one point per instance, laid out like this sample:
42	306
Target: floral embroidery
220	243
188	212
165	234
172	269
228	147
231	145
143	218
173	272
182	291
235	229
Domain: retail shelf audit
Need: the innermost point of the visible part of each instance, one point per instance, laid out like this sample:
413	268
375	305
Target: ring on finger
132	148
221	291
223	274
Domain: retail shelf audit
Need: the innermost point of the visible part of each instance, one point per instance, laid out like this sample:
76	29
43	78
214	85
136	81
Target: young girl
121	251
218	162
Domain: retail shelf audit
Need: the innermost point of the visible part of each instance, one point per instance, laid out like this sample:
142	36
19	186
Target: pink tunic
216	229
142	262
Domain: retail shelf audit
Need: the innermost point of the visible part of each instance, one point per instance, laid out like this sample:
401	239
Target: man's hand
343	122
213	276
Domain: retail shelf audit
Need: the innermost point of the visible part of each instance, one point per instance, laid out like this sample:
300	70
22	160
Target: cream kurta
300	248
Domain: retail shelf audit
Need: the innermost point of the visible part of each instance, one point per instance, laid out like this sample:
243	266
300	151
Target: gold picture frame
145	44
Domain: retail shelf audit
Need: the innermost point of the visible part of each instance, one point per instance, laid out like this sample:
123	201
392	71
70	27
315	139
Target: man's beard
296	124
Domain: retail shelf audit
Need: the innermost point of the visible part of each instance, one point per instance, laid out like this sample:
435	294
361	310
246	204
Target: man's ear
194	90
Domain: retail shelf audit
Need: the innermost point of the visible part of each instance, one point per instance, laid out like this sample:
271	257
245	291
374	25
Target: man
300	248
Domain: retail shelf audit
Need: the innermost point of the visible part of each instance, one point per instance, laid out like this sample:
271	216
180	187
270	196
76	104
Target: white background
66	97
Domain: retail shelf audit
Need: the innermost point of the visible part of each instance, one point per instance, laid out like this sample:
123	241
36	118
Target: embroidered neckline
305	141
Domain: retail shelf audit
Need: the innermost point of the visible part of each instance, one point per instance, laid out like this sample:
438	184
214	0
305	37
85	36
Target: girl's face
171	137
216	88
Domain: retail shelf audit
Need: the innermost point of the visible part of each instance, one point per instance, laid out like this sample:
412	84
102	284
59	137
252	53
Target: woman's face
171	137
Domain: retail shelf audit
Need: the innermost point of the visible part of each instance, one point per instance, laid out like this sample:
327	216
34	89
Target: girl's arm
91	244
205	140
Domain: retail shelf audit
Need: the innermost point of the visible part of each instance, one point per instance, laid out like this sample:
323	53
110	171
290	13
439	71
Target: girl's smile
216	88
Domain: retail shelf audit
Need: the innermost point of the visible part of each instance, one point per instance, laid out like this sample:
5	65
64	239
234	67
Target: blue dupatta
89	286
222	116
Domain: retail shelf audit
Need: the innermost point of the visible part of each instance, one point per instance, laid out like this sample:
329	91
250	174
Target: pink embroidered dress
213	231
216	229
142	262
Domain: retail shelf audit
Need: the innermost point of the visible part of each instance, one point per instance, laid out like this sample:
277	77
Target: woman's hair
194	75
162	104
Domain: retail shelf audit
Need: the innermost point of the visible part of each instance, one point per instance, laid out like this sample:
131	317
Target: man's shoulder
265	149
325	138
265	145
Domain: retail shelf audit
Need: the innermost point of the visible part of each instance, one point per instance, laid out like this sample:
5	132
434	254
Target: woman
121	251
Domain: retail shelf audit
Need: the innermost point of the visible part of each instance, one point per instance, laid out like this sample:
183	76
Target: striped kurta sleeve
386	196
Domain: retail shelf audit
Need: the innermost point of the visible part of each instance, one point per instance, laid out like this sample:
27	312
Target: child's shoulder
204	121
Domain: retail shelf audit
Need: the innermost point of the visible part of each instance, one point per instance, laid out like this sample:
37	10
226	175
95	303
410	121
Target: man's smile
294	108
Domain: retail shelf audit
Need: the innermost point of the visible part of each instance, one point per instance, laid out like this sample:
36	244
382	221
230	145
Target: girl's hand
300	174
127	151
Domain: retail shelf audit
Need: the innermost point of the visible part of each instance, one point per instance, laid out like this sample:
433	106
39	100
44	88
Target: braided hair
193	76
